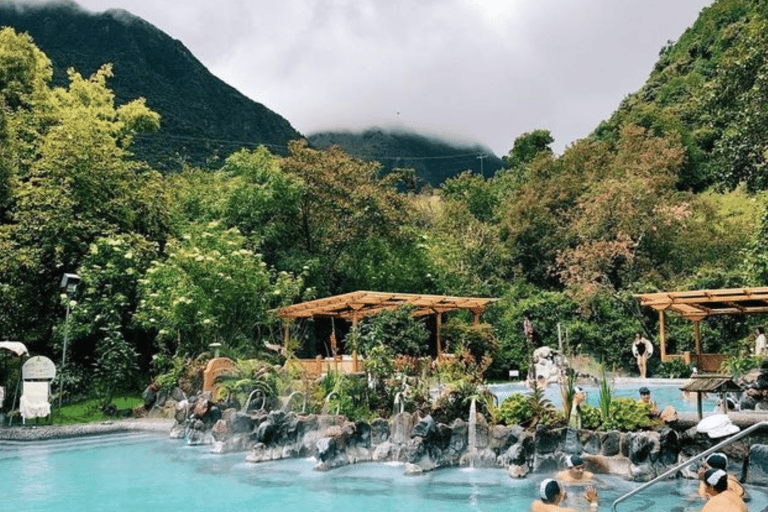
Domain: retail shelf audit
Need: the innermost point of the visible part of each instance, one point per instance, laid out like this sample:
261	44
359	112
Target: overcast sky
481	70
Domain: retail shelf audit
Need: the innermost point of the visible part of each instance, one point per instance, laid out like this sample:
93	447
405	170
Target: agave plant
542	409
568	392
605	396
251	378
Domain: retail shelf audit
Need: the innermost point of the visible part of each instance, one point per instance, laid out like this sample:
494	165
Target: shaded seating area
710	383
698	305
354	306
37	374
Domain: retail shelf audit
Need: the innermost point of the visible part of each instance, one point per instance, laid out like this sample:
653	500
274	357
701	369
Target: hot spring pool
663	393
145	472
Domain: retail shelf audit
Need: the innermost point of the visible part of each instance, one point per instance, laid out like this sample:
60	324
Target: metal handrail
689	461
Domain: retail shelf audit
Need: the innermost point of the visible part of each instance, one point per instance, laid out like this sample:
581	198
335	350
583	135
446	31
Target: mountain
202	118
433	159
710	89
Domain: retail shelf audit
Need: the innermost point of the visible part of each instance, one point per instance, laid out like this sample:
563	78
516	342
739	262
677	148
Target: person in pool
575	472
720	499
719	460
645	396
552	494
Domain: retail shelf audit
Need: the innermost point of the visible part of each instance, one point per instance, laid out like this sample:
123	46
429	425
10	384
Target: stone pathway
42	432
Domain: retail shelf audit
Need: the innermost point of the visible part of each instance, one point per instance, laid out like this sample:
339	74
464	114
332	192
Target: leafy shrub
628	414
738	366
674	369
454	401
591	418
396	329
514	410
528	410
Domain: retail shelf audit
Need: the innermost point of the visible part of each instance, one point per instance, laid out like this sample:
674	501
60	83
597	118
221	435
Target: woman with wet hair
552	494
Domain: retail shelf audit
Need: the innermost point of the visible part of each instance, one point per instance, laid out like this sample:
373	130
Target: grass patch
89	411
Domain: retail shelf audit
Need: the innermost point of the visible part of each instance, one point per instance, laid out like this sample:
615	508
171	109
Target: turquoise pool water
142	472
664	394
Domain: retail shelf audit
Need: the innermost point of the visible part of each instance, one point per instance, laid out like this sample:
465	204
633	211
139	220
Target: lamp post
69	283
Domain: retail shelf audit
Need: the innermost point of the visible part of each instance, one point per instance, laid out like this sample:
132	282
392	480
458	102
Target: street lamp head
69	282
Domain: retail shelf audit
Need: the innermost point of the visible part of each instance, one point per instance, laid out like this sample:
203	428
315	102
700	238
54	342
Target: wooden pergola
698	305
354	306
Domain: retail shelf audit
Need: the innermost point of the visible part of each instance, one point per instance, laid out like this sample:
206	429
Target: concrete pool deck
45	432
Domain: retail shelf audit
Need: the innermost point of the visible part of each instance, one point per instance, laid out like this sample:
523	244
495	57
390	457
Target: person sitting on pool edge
720	499
552	495
645	396
575	472
718	460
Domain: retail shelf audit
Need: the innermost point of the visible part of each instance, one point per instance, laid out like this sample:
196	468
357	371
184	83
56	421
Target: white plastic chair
37	374
34	400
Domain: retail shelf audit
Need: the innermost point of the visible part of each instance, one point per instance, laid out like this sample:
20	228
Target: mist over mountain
434	159
202	118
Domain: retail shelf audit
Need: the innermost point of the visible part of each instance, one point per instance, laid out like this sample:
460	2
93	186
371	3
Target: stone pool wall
424	445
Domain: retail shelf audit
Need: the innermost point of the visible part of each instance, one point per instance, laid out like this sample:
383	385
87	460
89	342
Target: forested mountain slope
201	116
434	160
710	88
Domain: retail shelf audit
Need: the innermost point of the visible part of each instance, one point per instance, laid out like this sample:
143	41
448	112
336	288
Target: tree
343	201
212	288
72	181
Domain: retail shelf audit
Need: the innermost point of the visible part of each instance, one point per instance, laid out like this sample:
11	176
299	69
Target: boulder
757	466
547	441
610	443
425	427
326	448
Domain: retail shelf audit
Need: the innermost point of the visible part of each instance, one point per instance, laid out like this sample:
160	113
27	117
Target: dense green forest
667	194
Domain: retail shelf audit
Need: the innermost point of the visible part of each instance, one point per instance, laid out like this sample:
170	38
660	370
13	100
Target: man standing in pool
720	500
575	473
552	495
642	349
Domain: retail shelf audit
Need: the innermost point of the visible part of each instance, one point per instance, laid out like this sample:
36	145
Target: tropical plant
568	393
251	380
527	410
605	396
740	365
628	414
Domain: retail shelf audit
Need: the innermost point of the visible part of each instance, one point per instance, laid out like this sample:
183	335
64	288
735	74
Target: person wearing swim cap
552	494
720	499
719	460
575	472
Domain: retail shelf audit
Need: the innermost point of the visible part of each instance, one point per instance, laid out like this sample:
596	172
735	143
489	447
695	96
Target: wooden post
354	352
475	317
698	405
697	338
439	323
286	324
662	336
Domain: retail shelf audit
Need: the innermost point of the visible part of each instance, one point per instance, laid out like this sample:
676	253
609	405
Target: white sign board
514	373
